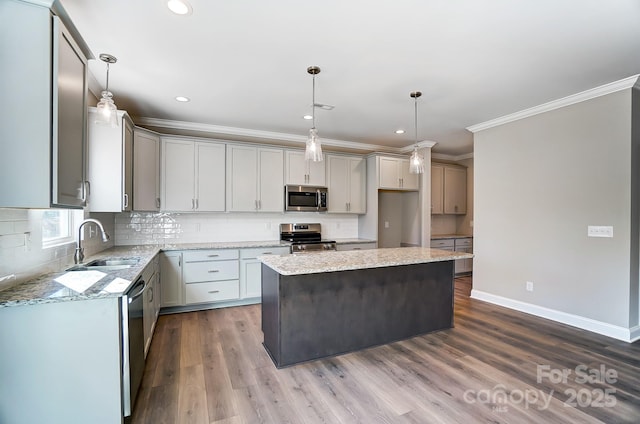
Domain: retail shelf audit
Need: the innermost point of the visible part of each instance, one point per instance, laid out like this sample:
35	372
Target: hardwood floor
496	365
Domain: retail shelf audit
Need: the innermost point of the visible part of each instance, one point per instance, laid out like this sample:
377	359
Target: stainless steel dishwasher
132	344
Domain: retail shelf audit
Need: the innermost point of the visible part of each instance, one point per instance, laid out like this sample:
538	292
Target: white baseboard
625	334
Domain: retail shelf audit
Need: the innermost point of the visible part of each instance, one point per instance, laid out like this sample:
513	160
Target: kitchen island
325	304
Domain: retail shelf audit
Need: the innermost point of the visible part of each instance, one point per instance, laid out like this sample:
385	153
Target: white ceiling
243	62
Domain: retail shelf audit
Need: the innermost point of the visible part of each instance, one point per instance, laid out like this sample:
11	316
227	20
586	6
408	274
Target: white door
271	180
338	200
178	175
210	181
146	163
242	177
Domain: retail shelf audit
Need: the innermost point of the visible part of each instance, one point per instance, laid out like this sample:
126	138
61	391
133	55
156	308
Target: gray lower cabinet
152	293
212	278
171	292
459	244
61	362
251	270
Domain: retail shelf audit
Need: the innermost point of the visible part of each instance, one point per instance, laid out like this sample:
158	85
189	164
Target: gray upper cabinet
43	113
110	168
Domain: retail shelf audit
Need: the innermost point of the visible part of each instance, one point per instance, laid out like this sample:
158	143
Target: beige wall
539	182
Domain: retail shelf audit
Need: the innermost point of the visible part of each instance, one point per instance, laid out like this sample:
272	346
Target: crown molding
221	131
556	104
421	144
442	156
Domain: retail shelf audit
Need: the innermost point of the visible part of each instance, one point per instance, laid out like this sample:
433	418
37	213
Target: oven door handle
318	197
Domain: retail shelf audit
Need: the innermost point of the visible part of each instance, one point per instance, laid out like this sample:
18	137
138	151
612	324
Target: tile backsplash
159	227
22	255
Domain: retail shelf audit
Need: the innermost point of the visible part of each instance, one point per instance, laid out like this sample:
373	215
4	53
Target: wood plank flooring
496	365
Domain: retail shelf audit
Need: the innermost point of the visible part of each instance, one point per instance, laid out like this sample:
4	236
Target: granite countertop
314	263
67	286
449	236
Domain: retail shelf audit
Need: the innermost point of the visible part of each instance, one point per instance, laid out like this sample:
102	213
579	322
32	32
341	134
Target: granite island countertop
314	263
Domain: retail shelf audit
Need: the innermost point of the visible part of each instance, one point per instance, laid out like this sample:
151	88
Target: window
57	227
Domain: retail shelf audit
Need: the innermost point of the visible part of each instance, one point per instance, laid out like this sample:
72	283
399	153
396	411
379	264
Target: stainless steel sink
106	264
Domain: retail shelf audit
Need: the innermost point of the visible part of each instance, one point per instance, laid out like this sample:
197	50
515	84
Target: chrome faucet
78	257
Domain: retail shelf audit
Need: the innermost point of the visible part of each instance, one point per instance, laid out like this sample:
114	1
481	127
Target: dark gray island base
316	315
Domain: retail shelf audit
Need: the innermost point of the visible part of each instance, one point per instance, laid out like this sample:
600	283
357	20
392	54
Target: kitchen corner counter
49	288
307	263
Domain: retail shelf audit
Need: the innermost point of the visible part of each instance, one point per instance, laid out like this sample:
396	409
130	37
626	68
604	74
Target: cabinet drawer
210	255
356	246
195	272
212	292
259	251
464	242
442	243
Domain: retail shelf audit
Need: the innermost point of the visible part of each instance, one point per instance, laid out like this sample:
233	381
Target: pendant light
416	162
313	151
107	110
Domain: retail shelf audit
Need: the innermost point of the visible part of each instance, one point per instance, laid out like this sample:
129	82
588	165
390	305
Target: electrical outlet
529	285
599	231
386	224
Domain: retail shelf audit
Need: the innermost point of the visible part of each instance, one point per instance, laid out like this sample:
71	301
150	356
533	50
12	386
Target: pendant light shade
313	150
416	161
107	110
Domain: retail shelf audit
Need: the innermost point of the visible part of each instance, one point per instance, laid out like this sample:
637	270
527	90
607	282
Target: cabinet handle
126	200
212	256
267	253
86	190
193	204
150	294
197	203
211	271
214	291
158	202
259	204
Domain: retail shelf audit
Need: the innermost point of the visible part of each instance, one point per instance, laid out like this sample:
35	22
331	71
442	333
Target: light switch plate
599	231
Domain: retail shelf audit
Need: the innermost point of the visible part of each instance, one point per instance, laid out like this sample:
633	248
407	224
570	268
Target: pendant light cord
313	100
416	118
107	77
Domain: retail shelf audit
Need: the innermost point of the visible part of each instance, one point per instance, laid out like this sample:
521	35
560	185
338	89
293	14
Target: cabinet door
357	185
437	189
127	162
251	278
296	168
178	175
388	177
338	200
69	119
408	181
271	181
210	181
455	190
242	177
171	279
146	162
316	173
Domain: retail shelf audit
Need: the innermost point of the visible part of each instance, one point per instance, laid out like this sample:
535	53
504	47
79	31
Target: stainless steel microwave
305	198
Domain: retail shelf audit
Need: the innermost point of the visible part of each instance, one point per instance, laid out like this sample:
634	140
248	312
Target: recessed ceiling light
179	7
182	99
399	131
308	117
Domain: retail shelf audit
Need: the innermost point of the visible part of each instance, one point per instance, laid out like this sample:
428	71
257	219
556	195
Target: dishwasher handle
139	293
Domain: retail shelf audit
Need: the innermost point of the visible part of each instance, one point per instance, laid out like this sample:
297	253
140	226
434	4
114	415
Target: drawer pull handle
213	270
212	256
214	291
267	253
